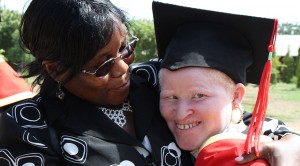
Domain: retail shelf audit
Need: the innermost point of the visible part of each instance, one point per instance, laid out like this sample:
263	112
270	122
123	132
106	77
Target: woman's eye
122	48
106	58
172	97
199	95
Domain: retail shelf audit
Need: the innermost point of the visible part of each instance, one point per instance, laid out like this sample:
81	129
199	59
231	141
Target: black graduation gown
85	135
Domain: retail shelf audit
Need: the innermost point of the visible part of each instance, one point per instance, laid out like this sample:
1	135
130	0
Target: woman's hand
282	152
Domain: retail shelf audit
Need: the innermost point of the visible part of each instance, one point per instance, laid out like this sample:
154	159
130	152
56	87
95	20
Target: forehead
183	77
196	72
194	75
120	27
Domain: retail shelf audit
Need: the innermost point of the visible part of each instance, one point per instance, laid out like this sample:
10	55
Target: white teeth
183	127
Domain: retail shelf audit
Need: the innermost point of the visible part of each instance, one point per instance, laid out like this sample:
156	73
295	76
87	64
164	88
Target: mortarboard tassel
259	112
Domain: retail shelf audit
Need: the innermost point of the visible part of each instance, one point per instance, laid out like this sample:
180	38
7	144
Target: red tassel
259	112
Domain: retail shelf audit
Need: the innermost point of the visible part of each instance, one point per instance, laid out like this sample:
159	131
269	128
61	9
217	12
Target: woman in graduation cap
207	59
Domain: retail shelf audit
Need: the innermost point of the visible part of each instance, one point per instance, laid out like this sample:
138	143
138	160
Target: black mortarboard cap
234	44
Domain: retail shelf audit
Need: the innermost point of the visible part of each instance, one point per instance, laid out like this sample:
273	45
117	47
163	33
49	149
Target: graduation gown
85	135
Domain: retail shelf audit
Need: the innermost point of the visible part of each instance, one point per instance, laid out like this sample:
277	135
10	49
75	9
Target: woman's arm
278	153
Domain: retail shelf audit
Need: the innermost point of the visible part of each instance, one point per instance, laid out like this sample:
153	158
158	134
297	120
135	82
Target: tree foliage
9	37
298	69
276	67
146	48
288	70
297	63
2	54
289	29
9	25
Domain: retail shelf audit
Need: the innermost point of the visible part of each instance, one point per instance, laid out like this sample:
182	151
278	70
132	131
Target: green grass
287	92
284	103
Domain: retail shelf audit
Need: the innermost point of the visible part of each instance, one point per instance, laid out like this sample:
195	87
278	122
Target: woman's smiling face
195	103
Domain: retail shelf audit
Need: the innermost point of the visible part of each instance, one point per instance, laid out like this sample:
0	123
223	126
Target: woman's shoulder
24	131
148	71
26	114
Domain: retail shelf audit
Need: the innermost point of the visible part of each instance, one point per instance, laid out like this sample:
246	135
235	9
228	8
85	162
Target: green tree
288	70
297	59
9	36
8	26
298	69
289	29
2	54
276	66
146	48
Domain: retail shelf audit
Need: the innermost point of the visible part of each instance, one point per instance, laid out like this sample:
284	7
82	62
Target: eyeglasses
106	66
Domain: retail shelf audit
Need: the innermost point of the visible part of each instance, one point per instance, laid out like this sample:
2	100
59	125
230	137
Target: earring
60	94
237	114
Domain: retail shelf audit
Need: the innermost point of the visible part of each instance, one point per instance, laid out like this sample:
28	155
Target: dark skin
109	90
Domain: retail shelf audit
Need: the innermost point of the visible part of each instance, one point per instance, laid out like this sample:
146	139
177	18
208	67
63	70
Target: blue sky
285	11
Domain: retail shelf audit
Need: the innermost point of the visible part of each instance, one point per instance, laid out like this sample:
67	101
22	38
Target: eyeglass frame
130	45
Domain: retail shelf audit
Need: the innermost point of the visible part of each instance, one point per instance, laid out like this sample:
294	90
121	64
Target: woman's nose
183	109
130	59
119	68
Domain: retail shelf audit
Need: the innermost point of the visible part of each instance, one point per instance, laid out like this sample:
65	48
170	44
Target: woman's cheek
165	108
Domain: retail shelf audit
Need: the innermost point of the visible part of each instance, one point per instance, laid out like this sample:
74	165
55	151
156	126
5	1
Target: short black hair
70	32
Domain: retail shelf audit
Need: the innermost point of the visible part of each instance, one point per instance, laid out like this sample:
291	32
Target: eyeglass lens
106	66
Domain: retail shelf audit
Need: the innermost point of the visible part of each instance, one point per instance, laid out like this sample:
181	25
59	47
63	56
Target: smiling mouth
187	126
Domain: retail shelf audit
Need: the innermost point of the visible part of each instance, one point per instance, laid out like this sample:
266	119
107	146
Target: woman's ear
50	66
239	93
53	68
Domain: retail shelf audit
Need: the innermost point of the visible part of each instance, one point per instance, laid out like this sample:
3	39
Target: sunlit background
285	11
284	95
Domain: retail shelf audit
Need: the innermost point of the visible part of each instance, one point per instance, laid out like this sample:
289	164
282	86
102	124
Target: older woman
89	110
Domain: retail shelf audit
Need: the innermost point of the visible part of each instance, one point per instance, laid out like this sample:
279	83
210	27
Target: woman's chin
188	145
189	140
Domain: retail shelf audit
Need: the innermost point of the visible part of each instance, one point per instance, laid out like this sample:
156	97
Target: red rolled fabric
12	88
